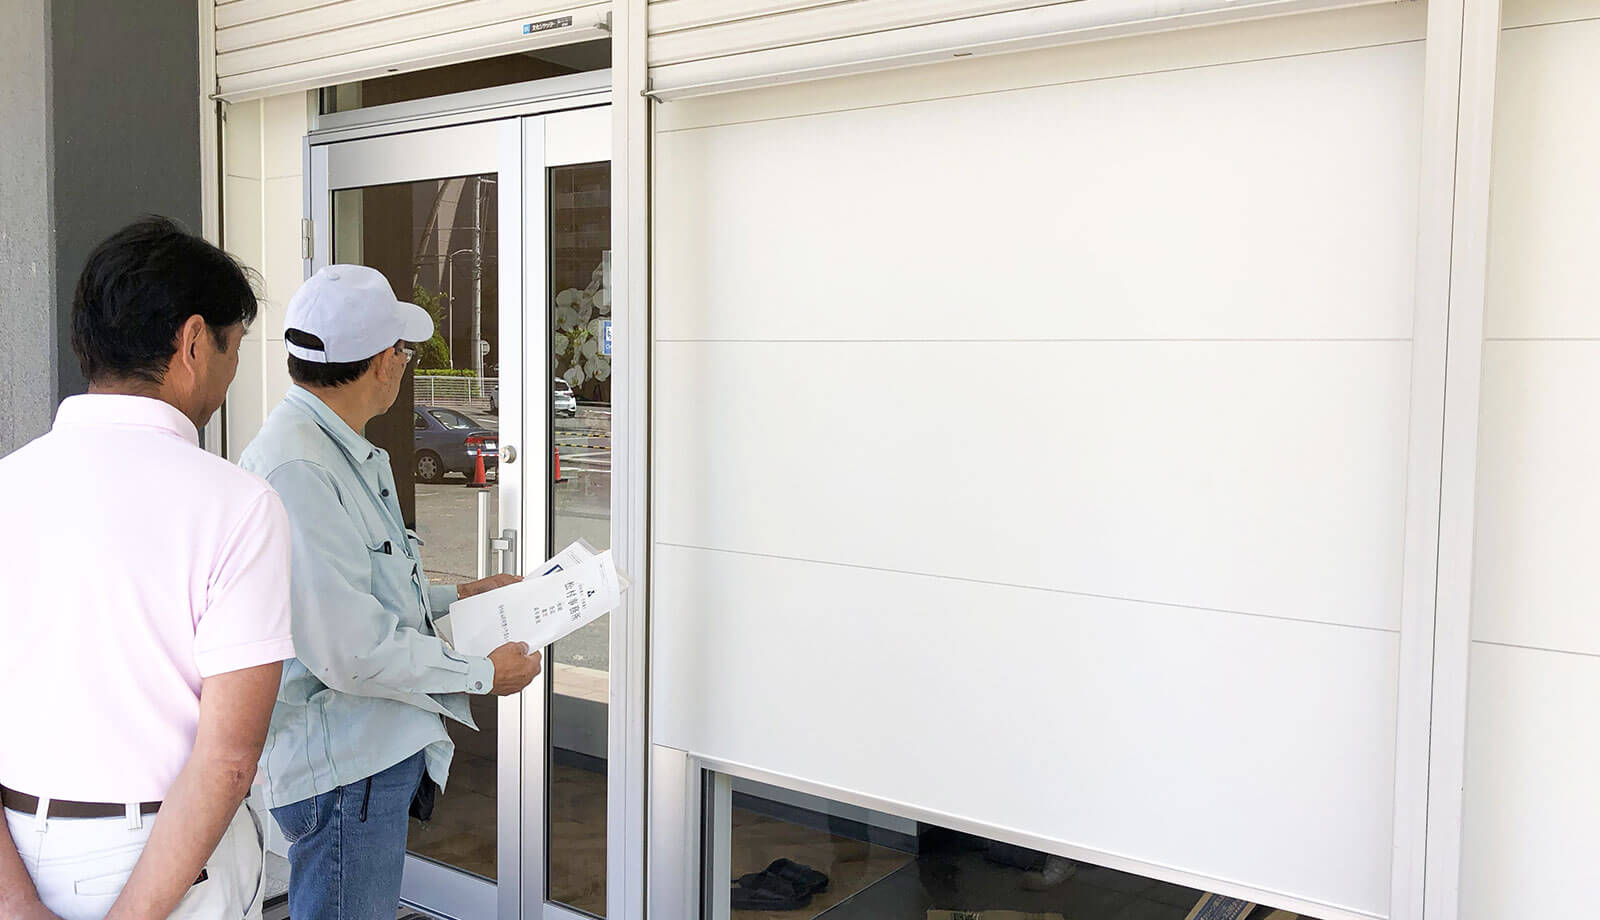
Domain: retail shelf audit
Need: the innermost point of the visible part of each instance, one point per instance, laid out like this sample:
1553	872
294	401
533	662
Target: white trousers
79	865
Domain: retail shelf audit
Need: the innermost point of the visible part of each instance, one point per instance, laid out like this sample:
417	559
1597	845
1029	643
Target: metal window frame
627	795
492	104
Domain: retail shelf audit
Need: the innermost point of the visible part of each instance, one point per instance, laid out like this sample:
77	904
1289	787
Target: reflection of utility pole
450	309
480	348
477	276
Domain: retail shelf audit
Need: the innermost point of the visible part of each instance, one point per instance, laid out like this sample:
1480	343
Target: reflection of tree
576	342
445	221
434	353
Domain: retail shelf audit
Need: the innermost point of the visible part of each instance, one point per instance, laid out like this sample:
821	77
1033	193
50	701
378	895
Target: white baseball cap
353	310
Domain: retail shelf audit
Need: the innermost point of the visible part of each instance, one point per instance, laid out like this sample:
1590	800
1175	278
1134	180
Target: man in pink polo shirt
147	610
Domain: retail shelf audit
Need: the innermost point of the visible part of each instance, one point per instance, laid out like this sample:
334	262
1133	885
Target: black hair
137	290
319	374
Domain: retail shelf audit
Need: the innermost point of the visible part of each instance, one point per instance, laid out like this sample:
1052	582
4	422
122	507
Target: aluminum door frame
519	150
439	153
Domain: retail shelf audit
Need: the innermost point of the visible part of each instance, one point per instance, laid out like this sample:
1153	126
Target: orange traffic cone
478	481
559	477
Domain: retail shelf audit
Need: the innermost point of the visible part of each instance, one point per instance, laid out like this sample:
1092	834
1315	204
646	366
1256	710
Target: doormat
989	915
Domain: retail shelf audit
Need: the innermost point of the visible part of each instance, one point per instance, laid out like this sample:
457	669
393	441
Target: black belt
64	808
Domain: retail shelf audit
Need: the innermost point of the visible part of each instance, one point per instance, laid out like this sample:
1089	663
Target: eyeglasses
410	353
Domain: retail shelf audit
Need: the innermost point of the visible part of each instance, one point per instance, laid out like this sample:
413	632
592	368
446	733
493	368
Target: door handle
503	548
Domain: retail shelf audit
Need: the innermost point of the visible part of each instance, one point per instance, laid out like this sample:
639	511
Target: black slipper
802	876
761	891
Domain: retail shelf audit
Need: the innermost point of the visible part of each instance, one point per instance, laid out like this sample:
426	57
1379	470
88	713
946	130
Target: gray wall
127	128
27	285
100	100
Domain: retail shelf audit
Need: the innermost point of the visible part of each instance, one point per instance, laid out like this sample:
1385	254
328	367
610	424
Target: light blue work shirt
370	684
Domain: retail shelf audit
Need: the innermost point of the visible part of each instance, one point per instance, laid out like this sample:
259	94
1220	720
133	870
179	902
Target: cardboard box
1217	907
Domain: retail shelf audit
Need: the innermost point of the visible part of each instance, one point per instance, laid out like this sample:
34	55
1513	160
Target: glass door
572	196
440	214
501	230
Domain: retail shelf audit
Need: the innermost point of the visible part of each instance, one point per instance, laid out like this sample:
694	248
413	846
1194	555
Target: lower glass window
775	854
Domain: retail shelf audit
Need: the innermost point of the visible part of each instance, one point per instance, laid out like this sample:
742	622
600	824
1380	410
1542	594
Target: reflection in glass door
437	242
579	238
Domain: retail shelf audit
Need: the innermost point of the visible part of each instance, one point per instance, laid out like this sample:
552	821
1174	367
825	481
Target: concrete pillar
100	100
27	277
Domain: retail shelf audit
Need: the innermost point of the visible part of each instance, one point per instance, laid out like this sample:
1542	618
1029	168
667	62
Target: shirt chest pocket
394	582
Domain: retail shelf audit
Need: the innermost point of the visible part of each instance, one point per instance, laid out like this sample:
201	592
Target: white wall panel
1186	740
1530	834
262	229
244	408
282	267
1536	576
1257	477
1176	216
1530	837
1546	206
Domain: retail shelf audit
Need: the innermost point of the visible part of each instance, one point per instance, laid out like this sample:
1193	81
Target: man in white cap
358	727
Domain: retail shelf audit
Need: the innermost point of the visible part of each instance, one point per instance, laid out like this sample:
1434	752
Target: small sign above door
545	25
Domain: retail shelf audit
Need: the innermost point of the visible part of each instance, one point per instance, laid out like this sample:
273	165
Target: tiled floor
465	822
281	912
277	876
578	838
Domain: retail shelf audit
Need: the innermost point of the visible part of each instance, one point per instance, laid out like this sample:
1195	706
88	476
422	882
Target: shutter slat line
819	23
303	45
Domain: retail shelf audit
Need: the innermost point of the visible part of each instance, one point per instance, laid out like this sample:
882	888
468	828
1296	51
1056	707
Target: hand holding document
572	590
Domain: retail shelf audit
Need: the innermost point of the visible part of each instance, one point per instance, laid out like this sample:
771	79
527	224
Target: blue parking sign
605	337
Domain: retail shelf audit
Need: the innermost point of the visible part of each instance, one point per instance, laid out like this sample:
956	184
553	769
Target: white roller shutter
1046	445
267	47
699	47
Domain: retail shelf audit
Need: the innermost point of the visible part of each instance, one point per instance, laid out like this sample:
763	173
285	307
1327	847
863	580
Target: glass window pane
580	394
794	856
437	242
504	70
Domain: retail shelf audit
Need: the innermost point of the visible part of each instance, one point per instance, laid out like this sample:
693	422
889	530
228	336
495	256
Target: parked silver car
563	401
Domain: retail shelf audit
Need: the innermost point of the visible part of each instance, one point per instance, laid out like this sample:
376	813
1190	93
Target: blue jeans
347	848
